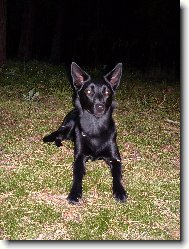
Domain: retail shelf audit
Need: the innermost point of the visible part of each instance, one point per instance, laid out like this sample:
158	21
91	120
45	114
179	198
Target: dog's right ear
79	76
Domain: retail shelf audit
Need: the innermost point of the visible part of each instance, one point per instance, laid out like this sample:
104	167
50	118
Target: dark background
141	34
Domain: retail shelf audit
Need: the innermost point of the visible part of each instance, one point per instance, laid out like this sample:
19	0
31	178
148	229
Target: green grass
35	178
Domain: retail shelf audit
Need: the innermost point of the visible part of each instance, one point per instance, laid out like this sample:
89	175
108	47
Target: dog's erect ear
79	76
114	76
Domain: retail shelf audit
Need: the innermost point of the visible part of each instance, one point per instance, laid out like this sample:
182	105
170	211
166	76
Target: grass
35	178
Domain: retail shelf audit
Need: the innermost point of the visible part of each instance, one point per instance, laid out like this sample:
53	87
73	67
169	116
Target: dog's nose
99	108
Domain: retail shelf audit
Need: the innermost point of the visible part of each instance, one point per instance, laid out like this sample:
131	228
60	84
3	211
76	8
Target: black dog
91	127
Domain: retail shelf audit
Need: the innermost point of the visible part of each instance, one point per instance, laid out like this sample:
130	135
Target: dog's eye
107	93
88	92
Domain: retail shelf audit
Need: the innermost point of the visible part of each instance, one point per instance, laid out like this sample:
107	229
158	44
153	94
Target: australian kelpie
91	127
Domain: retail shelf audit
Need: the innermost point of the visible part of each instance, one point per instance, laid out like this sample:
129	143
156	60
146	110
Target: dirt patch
131	153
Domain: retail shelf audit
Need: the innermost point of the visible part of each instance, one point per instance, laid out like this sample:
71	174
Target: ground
35	178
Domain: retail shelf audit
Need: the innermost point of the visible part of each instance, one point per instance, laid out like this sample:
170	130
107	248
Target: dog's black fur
91	127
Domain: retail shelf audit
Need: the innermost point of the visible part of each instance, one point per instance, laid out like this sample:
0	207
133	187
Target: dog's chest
93	127
95	134
91	141
94	146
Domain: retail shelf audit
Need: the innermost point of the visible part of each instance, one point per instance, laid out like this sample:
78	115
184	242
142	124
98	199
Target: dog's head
95	96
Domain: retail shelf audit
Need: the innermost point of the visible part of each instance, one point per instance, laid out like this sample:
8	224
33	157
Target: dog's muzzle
99	109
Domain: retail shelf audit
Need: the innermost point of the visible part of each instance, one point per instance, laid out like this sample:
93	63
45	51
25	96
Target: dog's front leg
118	189
78	173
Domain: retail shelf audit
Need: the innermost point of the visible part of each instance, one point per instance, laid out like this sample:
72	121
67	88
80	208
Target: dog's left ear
79	76
114	76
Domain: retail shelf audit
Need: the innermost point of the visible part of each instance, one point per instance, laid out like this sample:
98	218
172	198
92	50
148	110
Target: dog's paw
58	143
73	199
120	194
122	197
46	139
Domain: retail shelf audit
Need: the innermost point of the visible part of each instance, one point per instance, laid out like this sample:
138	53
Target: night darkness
142	35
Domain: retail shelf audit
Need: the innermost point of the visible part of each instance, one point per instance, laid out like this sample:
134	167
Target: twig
164	98
172	122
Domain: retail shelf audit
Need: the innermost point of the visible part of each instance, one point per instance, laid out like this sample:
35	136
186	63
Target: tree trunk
26	39
2	32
